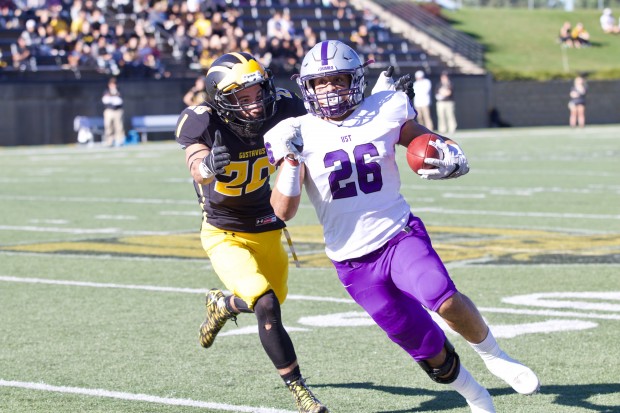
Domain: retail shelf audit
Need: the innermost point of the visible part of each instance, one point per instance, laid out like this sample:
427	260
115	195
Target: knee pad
440	374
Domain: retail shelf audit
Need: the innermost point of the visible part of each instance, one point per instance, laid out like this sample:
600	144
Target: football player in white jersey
343	151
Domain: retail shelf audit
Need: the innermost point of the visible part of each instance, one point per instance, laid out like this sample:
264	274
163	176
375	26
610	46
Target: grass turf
102	279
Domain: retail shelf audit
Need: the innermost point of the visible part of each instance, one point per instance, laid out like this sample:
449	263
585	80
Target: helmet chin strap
247	133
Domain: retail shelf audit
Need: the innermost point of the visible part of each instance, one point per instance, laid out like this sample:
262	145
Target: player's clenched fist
217	160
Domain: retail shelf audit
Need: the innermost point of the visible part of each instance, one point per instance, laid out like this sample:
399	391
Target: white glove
384	81
452	165
284	139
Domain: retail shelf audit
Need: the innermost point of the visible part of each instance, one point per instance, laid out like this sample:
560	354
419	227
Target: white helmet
331	58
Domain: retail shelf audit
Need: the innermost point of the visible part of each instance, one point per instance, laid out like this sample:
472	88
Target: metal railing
436	28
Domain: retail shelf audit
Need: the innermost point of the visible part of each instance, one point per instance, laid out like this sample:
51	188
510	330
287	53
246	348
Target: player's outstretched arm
286	193
284	145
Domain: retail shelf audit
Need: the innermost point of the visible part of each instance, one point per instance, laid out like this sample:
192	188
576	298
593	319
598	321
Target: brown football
419	149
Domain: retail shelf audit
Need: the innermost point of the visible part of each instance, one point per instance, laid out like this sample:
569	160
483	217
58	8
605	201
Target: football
419	149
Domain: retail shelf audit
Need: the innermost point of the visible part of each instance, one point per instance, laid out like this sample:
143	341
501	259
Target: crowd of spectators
80	35
131	38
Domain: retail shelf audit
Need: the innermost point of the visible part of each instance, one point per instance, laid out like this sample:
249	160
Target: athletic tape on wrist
204	171
288	181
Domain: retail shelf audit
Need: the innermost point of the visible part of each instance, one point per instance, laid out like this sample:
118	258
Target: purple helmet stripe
324	53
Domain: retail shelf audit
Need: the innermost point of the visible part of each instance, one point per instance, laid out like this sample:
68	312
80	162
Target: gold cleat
305	400
217	315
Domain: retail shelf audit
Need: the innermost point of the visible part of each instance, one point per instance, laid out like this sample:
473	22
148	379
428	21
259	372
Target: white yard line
138	397
295	297
516	214
83	199
115	231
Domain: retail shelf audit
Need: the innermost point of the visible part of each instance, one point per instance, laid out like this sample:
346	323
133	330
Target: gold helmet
234	72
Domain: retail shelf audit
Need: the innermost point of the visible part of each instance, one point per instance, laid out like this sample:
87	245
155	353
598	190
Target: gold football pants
249	264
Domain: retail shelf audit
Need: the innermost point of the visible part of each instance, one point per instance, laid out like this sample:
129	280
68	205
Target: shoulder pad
283	93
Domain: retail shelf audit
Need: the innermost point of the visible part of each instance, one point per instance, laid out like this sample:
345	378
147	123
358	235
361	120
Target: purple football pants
395	283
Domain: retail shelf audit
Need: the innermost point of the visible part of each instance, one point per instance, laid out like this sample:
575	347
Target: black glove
217	160
405	84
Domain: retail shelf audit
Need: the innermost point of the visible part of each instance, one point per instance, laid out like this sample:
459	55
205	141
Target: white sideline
31	280
139	397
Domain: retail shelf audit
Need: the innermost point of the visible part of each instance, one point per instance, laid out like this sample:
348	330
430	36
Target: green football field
102	282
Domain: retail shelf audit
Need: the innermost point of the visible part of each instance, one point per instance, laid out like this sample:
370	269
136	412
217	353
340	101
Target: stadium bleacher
386	48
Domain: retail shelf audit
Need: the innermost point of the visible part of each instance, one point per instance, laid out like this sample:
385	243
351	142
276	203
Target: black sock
291	376
241	305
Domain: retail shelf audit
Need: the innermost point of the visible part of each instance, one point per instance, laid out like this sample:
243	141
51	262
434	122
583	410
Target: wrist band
288	181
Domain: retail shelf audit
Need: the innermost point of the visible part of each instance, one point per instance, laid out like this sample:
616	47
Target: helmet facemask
235	113
335	103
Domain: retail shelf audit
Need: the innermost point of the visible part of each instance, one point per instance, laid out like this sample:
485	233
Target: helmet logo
252	77
324	68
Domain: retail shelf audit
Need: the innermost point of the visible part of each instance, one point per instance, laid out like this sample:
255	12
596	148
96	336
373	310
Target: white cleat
521	378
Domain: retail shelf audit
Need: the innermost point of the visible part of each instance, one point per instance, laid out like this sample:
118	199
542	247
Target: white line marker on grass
139	397
293	297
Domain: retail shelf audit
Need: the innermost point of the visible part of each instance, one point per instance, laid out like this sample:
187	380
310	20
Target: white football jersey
351	174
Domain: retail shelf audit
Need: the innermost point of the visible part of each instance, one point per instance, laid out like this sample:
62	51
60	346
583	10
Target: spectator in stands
580	36
182	44
210	49
278	55
41	42
262	52
422	99
120	35
244	46
577	103
22	55
277	27
310	38
608	22
8	18
444	96
377	27
114	131
197	94
104	51
30	33
81	57
218	25
202	25
565	36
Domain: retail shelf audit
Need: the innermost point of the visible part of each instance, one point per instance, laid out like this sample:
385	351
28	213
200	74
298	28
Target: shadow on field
577	395
566	395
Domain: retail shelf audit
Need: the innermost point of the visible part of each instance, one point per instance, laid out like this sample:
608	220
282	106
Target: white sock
477	397
518	376
488	348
